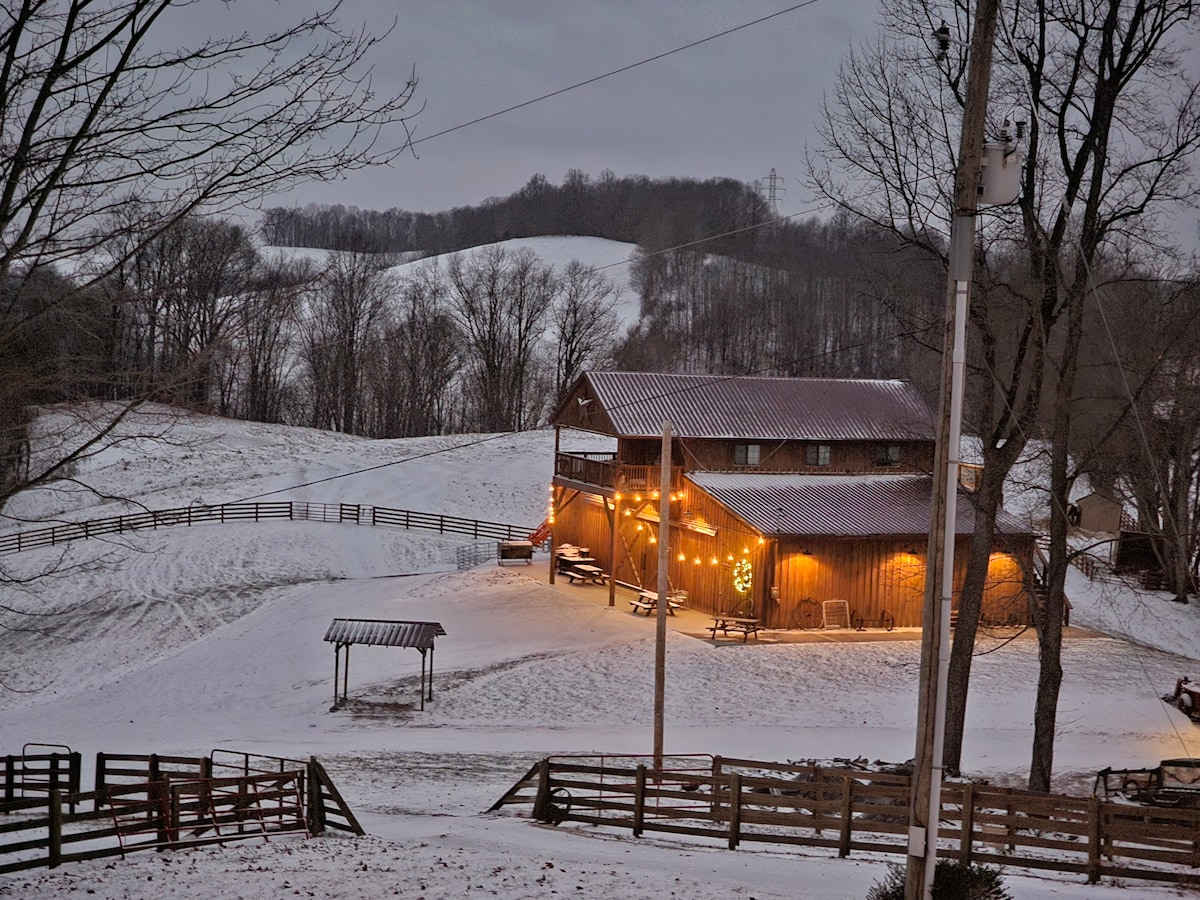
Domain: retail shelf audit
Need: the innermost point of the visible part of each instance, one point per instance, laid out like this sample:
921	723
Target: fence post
639	800
819	796
847	815
154	767
966	842
1093	863
716	787
100	787
542	801
161	812
74	777
735	810
10	777
54	852
316	801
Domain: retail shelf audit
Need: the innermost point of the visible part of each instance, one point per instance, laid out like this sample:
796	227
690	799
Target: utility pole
664	560
926	801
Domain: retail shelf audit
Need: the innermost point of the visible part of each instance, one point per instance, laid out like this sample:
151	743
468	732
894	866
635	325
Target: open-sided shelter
784	492
344	633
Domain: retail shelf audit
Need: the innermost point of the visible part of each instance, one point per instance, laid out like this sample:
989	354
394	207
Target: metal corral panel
838	505
804	409
384	633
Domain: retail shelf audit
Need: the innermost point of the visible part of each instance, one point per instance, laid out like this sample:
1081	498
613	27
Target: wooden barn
785	493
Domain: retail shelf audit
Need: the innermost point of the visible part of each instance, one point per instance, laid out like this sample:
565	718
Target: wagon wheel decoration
743	576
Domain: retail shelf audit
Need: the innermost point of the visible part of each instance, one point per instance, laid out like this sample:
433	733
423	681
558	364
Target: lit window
889	455
747	454
817	454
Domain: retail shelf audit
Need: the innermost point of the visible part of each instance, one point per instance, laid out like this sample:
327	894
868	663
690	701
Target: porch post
554	497
612	553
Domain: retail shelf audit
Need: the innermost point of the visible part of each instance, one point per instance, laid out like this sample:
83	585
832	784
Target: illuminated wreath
743	576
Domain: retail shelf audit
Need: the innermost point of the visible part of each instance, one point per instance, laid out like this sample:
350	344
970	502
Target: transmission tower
774	191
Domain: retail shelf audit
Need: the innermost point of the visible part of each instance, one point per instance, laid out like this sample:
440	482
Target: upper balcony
605	473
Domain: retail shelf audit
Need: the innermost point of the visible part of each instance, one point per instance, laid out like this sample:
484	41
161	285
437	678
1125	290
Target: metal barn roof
710	406
838	505
384	633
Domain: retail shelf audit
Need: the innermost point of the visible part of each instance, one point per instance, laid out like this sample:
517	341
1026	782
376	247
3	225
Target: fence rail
152	801
345	513
735	800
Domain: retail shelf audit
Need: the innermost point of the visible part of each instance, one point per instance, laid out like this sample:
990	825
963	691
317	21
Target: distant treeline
651	213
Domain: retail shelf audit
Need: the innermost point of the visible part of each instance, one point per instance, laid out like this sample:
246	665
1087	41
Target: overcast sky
737	106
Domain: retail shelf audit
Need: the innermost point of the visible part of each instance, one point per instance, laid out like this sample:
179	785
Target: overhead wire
610	73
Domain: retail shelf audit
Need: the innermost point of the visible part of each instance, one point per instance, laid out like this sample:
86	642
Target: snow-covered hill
184	639
610	258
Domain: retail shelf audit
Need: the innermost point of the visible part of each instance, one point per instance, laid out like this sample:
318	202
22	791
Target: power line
593	80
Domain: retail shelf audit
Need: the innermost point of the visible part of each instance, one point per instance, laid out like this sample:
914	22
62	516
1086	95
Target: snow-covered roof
711	406
838	505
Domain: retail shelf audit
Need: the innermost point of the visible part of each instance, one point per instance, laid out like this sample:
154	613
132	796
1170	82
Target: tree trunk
970	606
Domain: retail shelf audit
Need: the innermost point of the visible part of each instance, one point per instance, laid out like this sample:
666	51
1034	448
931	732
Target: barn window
888	455
817	454
747	454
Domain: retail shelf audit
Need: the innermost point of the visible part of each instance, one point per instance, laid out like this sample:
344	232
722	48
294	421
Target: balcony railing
604	470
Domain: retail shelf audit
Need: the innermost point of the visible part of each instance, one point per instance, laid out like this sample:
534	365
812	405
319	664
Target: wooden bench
725	624
586	573
642	606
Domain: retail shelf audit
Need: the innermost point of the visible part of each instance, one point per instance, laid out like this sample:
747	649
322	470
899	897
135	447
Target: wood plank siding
873	575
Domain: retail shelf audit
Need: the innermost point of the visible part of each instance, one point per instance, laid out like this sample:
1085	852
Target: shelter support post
422	680
337	658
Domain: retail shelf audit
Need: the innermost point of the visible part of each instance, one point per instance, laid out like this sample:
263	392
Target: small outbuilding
342	633
1099	512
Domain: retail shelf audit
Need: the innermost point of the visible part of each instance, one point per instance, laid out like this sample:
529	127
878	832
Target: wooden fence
351	513
38	774
737	800
155	802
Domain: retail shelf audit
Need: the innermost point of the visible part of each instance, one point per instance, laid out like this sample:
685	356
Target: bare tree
342	323
1113	126
412	366
267	335
97	117
501	303
584	324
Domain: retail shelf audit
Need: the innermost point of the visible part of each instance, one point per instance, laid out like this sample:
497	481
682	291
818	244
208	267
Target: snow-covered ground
183	640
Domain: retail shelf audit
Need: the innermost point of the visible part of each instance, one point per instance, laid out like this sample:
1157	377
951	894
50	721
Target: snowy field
183	640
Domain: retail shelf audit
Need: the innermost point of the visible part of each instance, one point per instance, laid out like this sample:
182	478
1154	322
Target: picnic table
564	564
747	625
586	572
647	602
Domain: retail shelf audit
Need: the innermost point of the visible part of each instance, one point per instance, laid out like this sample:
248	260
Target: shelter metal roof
710	406
839	505
384	632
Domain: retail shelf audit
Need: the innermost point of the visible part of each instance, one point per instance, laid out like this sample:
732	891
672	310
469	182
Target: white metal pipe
953	458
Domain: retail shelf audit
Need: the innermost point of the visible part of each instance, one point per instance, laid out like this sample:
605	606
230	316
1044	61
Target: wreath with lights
743	576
